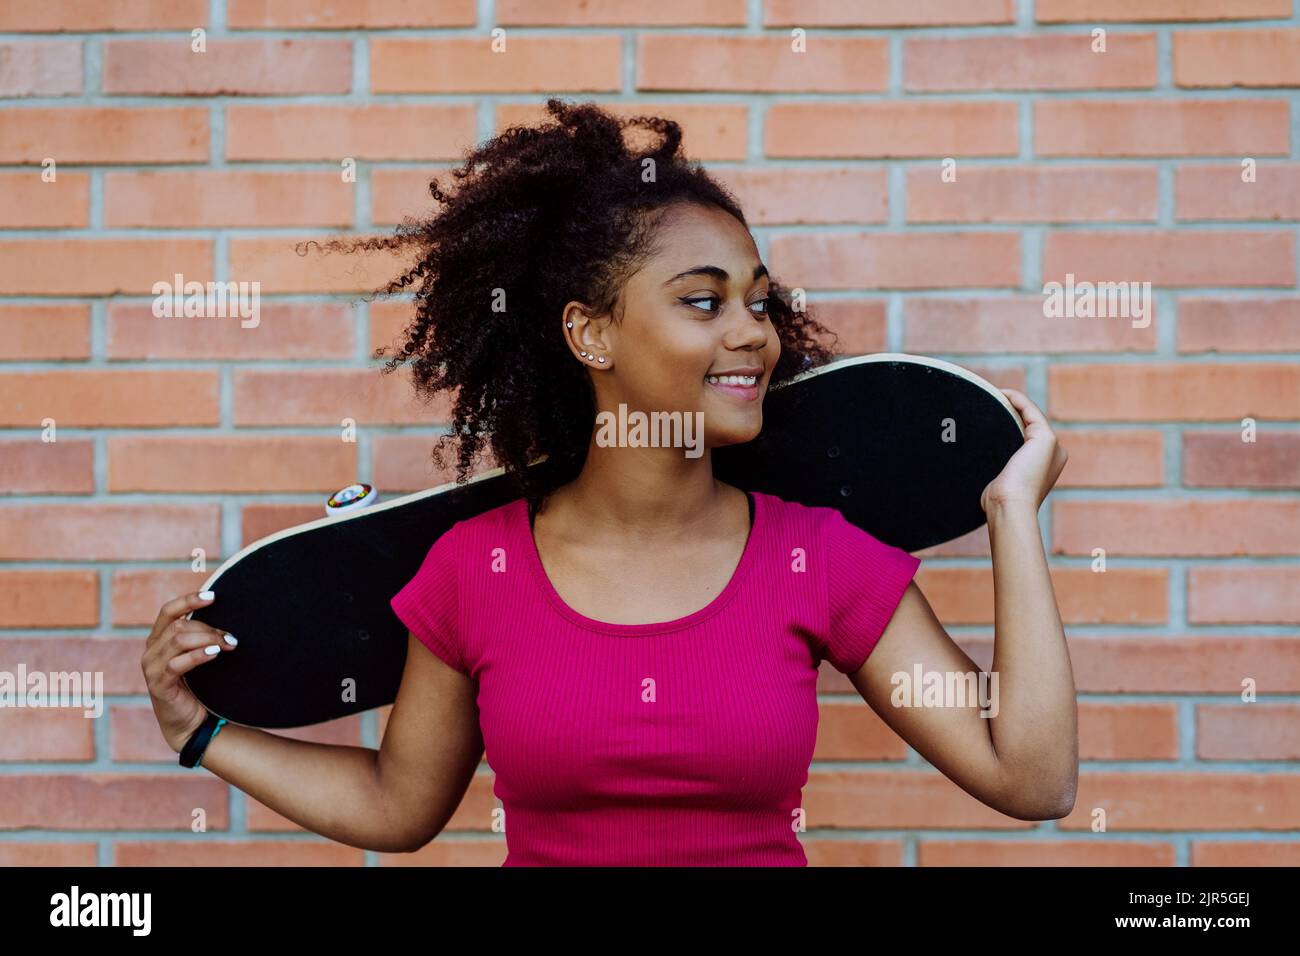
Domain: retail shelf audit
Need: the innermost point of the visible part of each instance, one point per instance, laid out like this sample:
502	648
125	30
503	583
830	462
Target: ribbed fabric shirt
677	743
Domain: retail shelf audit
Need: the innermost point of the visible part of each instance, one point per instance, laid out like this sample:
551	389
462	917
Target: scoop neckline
738	577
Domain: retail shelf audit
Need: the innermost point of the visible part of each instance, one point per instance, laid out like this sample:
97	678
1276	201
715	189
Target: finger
183	663
184	635
1030	413
178	607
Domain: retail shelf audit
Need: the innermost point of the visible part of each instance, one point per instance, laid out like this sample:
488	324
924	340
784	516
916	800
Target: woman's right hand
175	646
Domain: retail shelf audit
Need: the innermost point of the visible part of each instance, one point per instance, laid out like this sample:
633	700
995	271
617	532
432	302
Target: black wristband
192	752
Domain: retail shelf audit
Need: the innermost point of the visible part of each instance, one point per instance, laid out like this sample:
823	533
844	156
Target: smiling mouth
738	381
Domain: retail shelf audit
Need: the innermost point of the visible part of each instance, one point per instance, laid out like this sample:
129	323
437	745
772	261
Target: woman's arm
1023	759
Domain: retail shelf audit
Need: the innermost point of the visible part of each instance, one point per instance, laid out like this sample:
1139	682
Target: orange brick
1183	664
107	532
43	332
404	463
859	853
621	13
1185	257
983	193
139	593
31	598
528	64
892	129
118	658
896	799
355	15
48	854
1254	57
279	67
848	731
1241	731
764	64
981	853
1170	391
258	521
1059	61
1187	801
234	464
1087	11
1145	127
328	396
1244	853
1255	527
40	68
284	330
240	853
907	260
220	198
885	13
796	194
451	853
1223	460
710	131
113	801
103	266
1263	594
860	325
1239	325
277	266
1218	192
104	135
398	193
1124	458
47	734
1121	595
109	397
1014	324
1128	731
65	466
57	16
292	132
28	202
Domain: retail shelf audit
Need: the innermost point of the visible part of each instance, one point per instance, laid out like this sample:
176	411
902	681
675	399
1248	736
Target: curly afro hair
542	216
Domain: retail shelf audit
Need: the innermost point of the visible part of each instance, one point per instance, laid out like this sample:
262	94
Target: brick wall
1125	164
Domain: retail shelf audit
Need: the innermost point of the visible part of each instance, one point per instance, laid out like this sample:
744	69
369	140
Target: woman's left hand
1032	471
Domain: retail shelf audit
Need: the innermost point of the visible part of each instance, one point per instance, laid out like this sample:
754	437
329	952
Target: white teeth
744	380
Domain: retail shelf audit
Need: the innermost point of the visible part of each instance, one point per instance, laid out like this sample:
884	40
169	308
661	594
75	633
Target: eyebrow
715	272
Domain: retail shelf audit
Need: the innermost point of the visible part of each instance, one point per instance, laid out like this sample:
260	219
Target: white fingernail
206	595
230	639
212	649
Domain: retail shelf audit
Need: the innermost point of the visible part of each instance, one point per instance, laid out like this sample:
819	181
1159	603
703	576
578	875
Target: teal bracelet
216	730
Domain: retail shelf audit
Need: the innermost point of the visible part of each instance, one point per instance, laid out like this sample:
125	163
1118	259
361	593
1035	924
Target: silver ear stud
568	325
583	354
601	359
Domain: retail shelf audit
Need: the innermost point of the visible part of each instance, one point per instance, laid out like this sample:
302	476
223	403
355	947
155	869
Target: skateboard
902	445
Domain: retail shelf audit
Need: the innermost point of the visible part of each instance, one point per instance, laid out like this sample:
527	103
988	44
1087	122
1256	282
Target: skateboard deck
902	445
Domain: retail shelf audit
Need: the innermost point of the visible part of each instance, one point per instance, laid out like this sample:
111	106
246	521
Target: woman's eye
707	298
763	303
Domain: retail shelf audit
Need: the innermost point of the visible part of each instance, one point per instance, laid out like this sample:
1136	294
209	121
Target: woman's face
694	334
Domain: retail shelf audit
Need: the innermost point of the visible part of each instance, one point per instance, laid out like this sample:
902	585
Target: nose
747	333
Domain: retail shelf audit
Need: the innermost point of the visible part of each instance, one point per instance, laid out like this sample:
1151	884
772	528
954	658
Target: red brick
114	398
113	801
47	734
1185	257
763	64
355	15
118	658
1254	57
1255	527
1121	595
1262	594
896	799
32	598
28	202
1171	391
47	854
1187	801
398	193
710	131
404	464
858	853
885	128
1124	458
58	16
1218	192
220	198
31	332
1146	127
275	264
983	193
621	13
1238	325
904	260
331	133
327	396
885	13
1242	731
1058	61
98	134
1223	460
279	67
848	731
103	266
285	330
796	194
107	532
139	593
240	464
258	521
1087	11
529	64
1244	853
1124	731
1014	324
30	466
1180	664
860	325
40	68
240	853
981	853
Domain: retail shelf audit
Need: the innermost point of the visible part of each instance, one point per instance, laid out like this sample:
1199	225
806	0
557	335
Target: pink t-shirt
681	743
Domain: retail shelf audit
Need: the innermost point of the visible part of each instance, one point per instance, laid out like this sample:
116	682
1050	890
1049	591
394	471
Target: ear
587	337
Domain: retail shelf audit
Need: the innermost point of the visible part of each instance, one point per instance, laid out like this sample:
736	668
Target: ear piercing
568	325
589	356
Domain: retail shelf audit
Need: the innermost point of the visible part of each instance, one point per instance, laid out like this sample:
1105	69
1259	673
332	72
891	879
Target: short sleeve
428	604
865	580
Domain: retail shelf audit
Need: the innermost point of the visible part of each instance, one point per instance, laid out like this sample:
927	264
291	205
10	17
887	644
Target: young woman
630	639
